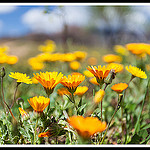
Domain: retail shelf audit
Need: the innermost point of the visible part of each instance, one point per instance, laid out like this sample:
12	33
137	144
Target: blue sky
12	21
20	20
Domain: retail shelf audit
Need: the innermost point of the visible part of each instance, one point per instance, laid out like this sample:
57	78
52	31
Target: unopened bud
99	96
20	101
24	114
2	73
110	77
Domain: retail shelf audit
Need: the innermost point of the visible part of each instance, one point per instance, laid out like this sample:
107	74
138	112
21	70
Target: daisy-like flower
11	60
121	50
136	72
86	127
80	55
109	58
80	90
138	48
39	103
100	73
68	57
72	82
99	96
49	80
49	46
75	65
115	66
119	87
20	77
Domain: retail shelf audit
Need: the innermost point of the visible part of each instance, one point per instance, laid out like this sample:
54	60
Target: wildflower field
75	97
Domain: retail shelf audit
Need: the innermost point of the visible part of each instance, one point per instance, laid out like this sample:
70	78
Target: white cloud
39	22
7	9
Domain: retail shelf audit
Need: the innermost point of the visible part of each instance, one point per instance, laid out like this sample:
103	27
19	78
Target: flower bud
2	73
99	96
110	77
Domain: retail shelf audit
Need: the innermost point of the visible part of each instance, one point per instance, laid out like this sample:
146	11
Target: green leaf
135	139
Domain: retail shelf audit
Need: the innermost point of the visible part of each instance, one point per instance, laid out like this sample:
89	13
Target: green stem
18	83
34	142
117	108
138	120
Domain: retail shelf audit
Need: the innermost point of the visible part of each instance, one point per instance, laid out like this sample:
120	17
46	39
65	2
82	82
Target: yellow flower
109	58
75	65
72	82
139	49
93	81
136	72
99	96
3	49
3	58
80	55
49	46
80	90
11	60
115	66
67	57
119	87
20	77
36	63
121	50
86	127
92	61
39	103
63	91
100	73
23	113
49	80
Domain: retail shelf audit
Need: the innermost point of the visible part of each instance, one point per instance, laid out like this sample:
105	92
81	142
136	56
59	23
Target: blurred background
23	28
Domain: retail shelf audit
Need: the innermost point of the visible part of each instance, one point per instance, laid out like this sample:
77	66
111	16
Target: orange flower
80	90
49	80
63	91
119	87
45	134
138	48
74	65
109	58
39	103
100	73
72	82
86	127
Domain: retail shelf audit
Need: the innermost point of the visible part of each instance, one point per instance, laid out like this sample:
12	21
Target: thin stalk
34	142
5	101
138	120
3	94
72	97
18	83
116	109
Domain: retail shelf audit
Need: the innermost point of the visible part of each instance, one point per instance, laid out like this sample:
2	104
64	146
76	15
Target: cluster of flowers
47	55
85	126
6	58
